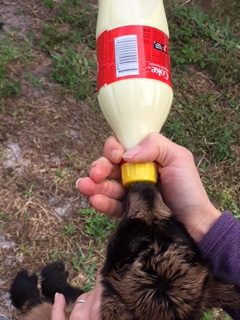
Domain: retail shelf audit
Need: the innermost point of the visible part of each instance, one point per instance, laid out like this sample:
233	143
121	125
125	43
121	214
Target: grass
96	226
12	53
8	53
55	36
3	216
81	17
86	263
61	177
226	200
34	81
48	4
205	42
74	65
28	192
72	70
70	229
210	316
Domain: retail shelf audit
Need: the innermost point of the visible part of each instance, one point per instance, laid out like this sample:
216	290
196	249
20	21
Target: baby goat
153	270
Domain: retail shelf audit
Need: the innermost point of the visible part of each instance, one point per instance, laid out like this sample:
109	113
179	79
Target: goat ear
221	294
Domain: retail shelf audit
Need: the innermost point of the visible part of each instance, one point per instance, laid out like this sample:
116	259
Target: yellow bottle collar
138	172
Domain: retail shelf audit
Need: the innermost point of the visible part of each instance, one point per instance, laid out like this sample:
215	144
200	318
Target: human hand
180	183
88	310
103	185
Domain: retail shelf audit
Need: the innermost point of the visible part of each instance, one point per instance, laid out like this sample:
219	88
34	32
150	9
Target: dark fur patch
54	279
24	292
153	268
147	194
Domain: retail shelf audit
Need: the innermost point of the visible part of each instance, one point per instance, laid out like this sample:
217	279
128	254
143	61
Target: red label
133	52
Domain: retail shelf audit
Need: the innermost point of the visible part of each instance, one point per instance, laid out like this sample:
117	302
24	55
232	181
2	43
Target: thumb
58	309
155	147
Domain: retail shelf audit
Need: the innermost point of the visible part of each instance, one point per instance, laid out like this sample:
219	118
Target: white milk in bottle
134	81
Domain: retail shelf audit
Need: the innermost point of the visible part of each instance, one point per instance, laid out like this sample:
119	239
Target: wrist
204	220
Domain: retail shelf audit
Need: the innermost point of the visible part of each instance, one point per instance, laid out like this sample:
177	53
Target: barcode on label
126	56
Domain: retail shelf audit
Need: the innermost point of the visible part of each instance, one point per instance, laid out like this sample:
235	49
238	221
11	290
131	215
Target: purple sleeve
221	248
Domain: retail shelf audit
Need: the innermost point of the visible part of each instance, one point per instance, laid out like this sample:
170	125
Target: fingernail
116	155
132	152
78	182
56	296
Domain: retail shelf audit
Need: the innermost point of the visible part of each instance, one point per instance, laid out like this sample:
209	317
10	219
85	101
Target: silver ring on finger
80	301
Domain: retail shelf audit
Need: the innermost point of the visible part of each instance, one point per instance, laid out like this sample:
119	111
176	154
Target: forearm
220	246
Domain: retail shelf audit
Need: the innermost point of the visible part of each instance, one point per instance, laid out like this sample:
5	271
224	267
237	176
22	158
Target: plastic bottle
134	81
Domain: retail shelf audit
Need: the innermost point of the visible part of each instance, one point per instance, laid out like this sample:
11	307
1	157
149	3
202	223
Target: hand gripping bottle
134	82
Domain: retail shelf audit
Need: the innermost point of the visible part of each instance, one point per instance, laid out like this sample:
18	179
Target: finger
102	168
113	150
96	299
77	311
156	147
83	296
58	309
90	310
106	205
108	188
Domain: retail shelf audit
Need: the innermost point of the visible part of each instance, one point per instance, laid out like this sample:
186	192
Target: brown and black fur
153	269
35	304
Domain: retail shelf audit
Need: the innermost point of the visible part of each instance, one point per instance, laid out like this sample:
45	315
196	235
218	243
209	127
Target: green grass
70	229
9	52
210	316
69	41
202	126
177	130
81	18
28	192
72	70
54	37
4	216
35	81
96	226
205	42
48	4
85	263
226	200
54	255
